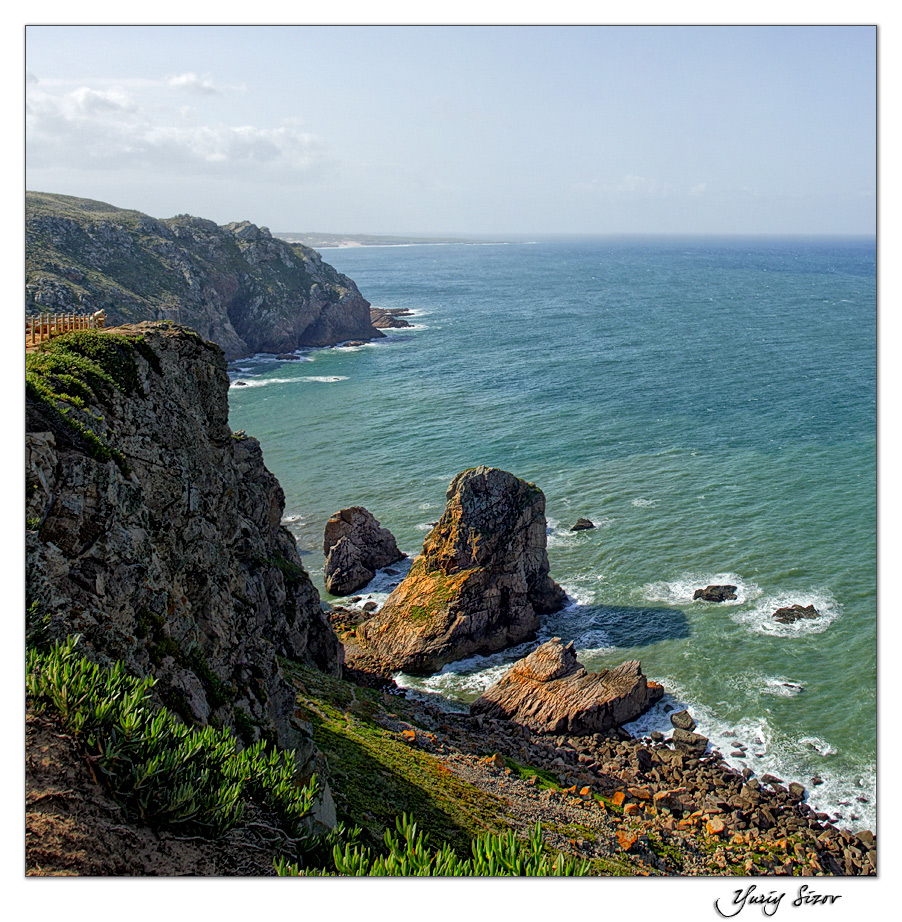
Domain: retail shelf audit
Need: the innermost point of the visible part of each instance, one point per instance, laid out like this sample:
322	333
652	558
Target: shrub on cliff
162	772
408	855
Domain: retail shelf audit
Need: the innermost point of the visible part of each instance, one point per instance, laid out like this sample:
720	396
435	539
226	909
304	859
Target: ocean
710	404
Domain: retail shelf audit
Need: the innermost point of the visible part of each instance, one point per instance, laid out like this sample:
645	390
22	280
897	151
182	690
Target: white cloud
111	128
192	83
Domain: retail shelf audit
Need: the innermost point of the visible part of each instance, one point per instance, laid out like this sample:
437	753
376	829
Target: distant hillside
368	240
236	285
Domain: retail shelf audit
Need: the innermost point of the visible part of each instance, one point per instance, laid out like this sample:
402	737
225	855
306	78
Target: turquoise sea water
709	403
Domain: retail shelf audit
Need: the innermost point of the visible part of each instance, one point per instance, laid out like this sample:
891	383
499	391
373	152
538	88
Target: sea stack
356	545
481	583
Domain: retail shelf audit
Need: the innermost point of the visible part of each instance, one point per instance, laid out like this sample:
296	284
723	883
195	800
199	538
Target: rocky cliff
481	583
236	285
154	531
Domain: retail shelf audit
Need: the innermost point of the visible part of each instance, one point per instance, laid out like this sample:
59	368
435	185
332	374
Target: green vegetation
375	774
435	590
408	854
140	268
161	771
197	781
545	780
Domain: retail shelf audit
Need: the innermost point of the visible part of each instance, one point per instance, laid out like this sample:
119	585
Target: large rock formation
236	285
551	692
154	531
356	545
481	583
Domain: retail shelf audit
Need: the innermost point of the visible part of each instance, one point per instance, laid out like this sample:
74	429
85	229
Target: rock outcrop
236	285
385	319
583	525
481	583
792	613
715	593
551	692
153	531
356	545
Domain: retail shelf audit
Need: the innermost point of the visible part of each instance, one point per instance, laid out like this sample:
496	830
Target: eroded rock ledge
551	692
481	583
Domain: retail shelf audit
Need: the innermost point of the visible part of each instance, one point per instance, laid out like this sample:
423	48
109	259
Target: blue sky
466	130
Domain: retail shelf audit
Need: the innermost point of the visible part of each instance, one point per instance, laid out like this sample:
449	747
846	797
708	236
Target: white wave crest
681	590
260	382
761	619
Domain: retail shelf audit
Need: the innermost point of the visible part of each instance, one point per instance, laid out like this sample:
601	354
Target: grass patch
409	854
545	780
374	776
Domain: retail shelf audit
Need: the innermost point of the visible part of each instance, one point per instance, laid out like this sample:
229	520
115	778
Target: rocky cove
153	533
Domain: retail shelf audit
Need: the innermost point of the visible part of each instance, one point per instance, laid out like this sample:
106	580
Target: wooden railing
41	327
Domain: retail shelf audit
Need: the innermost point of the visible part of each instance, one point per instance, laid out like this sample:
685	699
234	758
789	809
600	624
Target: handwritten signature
770	902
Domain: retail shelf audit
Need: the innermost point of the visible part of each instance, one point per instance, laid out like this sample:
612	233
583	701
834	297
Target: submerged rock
551	692
356	545
715	593
481	583
792	613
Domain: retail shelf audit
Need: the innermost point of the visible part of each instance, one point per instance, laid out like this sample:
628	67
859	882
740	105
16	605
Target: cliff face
235	285
154	531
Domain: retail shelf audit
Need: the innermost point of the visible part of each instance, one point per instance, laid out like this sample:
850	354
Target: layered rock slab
549	691
481	583
356	545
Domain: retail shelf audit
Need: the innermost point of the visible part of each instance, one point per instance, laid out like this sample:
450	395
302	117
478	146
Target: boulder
582	525
682	720
355	545
792	613
689	742
481	583
549	691
715	593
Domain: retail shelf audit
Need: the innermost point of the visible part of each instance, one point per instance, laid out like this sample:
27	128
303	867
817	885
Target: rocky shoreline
548	712
674	791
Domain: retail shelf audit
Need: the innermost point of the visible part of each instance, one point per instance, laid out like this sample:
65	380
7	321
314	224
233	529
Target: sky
462	129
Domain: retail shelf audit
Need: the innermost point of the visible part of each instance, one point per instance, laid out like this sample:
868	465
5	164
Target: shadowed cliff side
154	531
